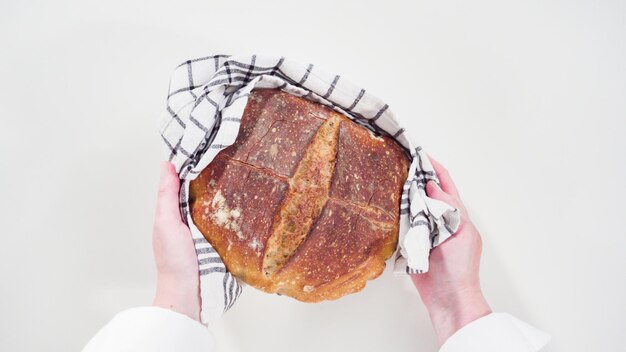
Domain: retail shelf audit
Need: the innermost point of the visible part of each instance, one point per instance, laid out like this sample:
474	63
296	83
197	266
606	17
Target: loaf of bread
305	203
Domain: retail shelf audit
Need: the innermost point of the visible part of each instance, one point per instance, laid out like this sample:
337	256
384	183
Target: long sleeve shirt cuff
496	332
152	329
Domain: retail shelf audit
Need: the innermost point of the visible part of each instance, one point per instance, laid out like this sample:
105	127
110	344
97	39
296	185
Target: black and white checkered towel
206	100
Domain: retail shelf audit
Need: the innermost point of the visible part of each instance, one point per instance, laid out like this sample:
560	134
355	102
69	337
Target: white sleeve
496	332
151	329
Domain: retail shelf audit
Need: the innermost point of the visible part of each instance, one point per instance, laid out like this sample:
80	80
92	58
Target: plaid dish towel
206	100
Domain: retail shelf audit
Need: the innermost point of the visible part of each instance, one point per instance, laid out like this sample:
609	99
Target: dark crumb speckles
276	129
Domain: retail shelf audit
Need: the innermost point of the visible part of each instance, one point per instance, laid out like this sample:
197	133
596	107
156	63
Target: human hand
450	289
178	285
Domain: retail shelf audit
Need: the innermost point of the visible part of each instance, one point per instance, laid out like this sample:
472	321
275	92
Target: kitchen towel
206	100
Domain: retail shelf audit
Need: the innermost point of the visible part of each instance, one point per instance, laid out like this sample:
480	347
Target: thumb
167	210
434	191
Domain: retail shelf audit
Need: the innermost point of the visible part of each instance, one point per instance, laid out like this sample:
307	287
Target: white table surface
533	93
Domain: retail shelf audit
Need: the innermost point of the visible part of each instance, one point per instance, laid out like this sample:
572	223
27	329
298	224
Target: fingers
444	178
434	191
167	210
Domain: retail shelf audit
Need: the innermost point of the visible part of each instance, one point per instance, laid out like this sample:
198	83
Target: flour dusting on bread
223	215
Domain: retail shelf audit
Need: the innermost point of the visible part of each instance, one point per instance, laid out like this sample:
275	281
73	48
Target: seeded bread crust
305	203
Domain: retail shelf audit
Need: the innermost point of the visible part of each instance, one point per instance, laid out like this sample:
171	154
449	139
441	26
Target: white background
523	101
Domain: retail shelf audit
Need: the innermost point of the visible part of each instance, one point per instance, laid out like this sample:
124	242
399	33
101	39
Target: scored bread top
305	202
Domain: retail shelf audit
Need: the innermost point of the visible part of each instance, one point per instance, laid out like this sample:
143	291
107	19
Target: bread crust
305	203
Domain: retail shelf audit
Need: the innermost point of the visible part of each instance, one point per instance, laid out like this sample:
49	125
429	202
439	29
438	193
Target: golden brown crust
305	202
234	205
308	191
370	171
342	252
